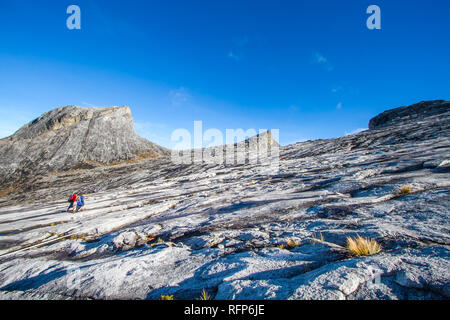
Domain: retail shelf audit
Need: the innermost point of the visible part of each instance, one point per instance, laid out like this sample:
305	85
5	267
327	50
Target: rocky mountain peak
66	117
74	137
412	113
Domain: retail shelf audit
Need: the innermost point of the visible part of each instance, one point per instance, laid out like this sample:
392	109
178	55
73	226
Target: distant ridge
415	112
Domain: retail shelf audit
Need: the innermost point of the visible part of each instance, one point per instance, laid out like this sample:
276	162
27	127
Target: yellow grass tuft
360	246
292	243
6	191
405	190
166	297
77	236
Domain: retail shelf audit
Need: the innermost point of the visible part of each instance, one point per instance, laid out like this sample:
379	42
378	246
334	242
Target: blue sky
311	69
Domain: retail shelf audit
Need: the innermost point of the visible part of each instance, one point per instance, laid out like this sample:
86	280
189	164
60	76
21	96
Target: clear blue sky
311	69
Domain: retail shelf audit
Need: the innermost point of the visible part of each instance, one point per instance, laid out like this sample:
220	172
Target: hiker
73	201
80	202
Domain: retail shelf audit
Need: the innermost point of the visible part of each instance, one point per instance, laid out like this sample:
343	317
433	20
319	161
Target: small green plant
204	295
166	297
360	246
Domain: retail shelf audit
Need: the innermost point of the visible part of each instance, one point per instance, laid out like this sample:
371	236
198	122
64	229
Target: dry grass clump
6	191
360	246
290	244
159	242
316	239
405	190
146	155
77	236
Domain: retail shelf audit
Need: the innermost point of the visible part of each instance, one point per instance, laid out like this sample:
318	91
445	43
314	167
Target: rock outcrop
73	137
408	114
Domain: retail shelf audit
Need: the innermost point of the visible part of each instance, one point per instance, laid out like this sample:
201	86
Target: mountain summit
75	137
407	114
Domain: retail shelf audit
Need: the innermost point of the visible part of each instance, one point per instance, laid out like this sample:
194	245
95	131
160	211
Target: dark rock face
407	114
74	137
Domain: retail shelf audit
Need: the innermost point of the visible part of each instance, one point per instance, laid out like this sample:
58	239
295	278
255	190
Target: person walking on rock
73	202
80	202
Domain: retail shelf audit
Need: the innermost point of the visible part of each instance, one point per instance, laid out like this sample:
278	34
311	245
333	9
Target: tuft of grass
204	295
6	191
405	190
321	239
77	236
158	241
360	246
166	297
55	234
292	243
212	244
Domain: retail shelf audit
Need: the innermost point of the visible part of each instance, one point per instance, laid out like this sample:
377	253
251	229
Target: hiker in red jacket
73	202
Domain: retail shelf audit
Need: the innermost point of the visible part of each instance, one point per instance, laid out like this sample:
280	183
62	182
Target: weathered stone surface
129	240
227	228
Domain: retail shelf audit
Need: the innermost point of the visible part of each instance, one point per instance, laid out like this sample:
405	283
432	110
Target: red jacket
73	198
